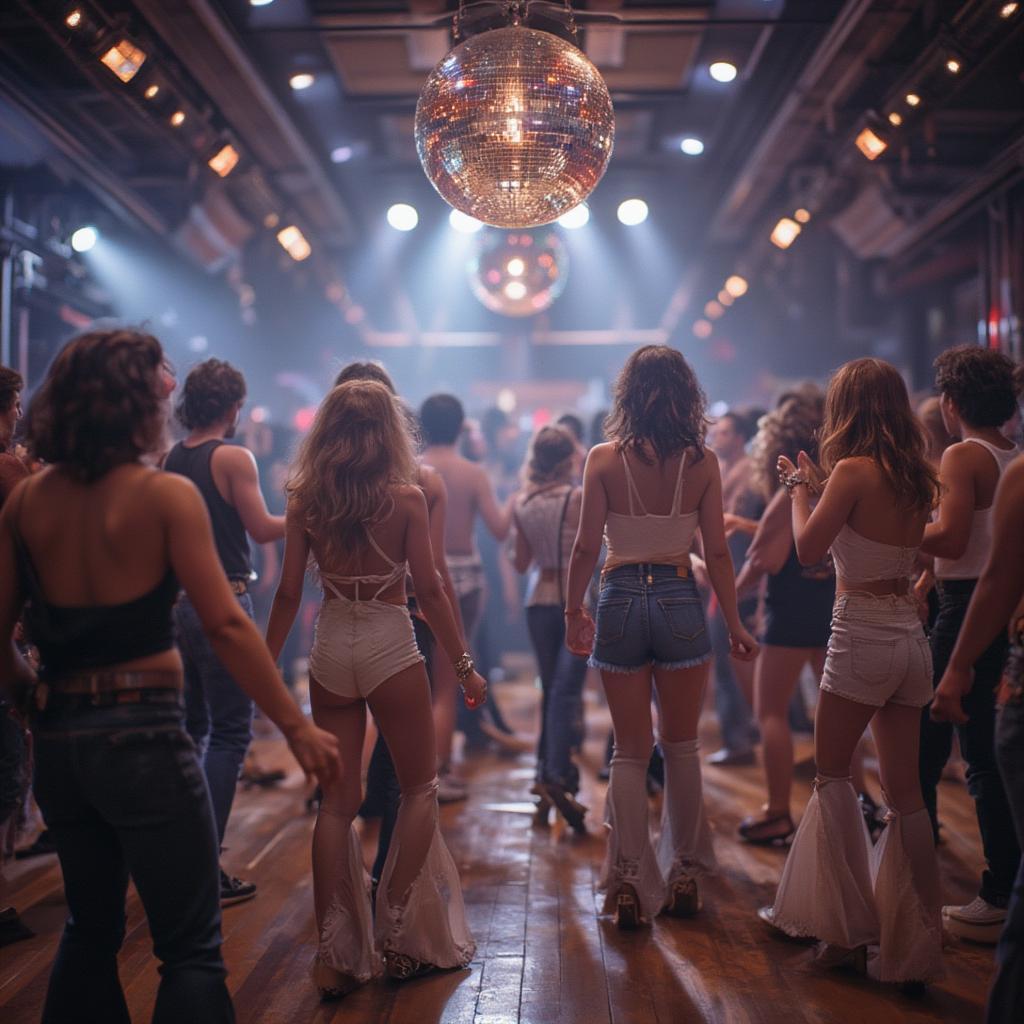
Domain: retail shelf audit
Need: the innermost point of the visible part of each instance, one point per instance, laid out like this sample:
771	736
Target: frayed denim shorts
649	615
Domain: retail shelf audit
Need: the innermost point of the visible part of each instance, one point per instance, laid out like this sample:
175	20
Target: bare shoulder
234	457
856	469
703	461
409	499
1012	482
602	455
431	483
174	492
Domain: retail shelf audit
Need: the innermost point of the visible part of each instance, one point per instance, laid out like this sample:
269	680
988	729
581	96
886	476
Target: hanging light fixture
515	126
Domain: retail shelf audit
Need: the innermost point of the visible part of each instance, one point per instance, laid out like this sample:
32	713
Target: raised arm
288	596
719	561
813	532
232	634
239	468
947	537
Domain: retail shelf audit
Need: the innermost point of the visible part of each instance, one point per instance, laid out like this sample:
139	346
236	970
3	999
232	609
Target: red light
303	419
541	418
994	322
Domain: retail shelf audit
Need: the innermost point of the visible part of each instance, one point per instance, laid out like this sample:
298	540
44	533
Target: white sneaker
978	921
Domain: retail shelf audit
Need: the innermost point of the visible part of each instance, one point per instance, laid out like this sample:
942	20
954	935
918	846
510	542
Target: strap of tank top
998	454
631	488
677	496
384	580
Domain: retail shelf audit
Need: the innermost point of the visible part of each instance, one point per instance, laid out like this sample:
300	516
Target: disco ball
515	127
518	273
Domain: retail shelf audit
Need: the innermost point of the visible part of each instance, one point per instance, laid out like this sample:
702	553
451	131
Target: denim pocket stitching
665	603
859	648
605	605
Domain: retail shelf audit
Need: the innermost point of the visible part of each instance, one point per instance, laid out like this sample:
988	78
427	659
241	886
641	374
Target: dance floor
544	956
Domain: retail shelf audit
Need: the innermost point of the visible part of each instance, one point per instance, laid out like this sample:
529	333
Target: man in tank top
218	713
977	395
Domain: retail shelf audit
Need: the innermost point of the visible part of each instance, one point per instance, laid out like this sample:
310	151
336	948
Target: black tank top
228	532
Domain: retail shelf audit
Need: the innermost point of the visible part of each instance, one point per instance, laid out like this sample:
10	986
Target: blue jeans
1006	1000
123	795
649	614
218	715
735	717
977	744
562	675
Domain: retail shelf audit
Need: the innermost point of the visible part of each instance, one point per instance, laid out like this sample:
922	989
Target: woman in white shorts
355	509
835	887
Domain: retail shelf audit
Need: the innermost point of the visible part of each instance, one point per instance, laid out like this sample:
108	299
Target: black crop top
81	639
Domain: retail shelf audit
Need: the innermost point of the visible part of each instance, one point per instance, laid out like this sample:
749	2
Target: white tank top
971	563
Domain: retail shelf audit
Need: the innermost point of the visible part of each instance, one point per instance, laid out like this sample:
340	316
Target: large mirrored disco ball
515	127
518	273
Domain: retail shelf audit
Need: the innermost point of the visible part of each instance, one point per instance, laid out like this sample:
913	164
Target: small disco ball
515	127
518	273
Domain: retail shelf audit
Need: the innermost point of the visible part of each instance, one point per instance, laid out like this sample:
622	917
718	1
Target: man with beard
218	713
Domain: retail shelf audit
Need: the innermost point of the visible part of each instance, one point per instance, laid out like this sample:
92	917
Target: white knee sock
685	847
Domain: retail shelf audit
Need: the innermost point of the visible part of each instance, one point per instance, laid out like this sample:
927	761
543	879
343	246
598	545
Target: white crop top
858	559
971	564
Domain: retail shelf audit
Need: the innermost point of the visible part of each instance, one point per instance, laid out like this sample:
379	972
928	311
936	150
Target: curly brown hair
550	455
11	383
981	383
791	427
101	404
212	389
658	401
868	415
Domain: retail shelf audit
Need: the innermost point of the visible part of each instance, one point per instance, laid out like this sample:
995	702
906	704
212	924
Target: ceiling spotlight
151	91
722	71
784	233
178	118
802	216
737	286
703	328
1008	10
342	154
692	146
871	144
84	238
293	241
301	80
224	160
953	65
912	99
713	309
74	18
515	290
725	298
260	3
515	267
577	217
895	119
124	59
403	217
632	212
463	223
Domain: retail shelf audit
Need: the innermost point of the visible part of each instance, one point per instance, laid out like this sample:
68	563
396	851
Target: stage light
151	91
177	118
124	59
260	3
953	65
74	18
259	414
632	212
506	400
301	80
871	144
703	328
913	100
84	238
515	267
895	119
692	146
722	71
737	286
293	241
1008	10
403	217
802	216
342	154
515	290
463	223
577	217
784	233
224	161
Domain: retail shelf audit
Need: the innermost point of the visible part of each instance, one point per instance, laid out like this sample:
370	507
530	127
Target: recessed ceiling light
124	59
871	144
895	119
784	233
403	217
692	146
722	71
178	118
84	238
736	286
913	100
151	91
953	65
301	80
632	212
74	18
1008	10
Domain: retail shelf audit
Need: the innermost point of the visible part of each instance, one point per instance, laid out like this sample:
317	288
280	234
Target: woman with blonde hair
355	511
650	636
874	506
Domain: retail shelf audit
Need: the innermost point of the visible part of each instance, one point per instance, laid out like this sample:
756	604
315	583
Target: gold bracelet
464	666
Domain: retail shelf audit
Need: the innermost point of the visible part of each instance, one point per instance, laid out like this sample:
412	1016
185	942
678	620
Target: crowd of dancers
839	531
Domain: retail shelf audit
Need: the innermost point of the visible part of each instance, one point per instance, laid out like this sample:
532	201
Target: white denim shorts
878	653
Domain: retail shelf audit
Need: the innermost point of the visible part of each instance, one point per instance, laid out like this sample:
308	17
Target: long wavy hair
357	450
868	414
791	427
658	401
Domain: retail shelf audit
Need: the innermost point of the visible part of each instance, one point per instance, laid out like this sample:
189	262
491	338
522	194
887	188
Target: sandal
767	830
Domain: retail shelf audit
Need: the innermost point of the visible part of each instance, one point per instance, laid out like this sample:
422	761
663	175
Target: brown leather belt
112	687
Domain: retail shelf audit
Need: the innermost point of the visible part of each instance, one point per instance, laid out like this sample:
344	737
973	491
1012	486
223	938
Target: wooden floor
544	956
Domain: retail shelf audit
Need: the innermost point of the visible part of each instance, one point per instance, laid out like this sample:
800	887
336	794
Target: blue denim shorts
649	614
